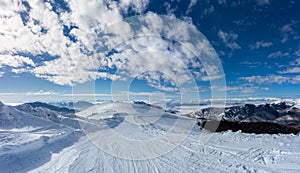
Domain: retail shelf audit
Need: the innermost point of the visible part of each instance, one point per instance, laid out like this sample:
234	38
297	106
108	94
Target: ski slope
41	145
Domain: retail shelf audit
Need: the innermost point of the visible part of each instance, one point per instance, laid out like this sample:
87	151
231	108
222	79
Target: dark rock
249	127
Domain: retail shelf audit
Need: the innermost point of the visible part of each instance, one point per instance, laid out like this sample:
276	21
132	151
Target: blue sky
48	47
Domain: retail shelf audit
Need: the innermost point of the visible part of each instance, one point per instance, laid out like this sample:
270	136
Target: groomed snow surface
31	143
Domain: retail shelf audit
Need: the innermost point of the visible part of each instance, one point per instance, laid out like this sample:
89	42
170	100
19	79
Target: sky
153	49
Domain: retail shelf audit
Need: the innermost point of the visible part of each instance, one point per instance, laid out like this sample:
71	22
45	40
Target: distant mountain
249	118
79	105
281	113
249	127
245	115
51	107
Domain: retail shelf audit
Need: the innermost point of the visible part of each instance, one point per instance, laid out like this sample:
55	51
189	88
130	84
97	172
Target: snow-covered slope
13	118
30	143
21	132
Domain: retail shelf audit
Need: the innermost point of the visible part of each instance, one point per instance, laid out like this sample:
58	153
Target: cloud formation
15	61
92	40
229	39
273	79
260	44
42	92
278	54
289	30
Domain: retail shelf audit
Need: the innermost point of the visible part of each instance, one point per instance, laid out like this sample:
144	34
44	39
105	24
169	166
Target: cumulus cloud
246	88
272	79
136	5
15	61
260	44
42	31
92	40
266	79
190	6
290	70
294	63
288	30
278	54
172	60
42	92
229	39
297	53
262	2
208	10
255	64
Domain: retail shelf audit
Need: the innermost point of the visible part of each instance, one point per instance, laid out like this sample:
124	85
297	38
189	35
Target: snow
297	103
31	143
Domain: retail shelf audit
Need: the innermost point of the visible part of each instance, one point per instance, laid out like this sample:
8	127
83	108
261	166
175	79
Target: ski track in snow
188	157
65	149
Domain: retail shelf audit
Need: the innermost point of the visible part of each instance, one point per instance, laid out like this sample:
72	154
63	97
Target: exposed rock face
249	118
278	113
249	127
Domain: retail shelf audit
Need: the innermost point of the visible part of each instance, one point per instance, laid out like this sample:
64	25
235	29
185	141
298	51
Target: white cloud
74	58
260	44
194	89
134	58
290	70
265	79
278	54
136	5
243	89
229	39
222	2
42	92
297	61
262	2
208	10
15	61
271	79
297	53
21	70
191	4
250	63
100	29
287	30
17	37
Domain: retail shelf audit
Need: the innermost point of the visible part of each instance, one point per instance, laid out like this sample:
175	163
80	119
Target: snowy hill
22	132
32	141
11	118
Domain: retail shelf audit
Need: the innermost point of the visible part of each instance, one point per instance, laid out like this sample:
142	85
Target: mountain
249	127
281	113
11	117
31	141
78	105
51	107
63	116
273	118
